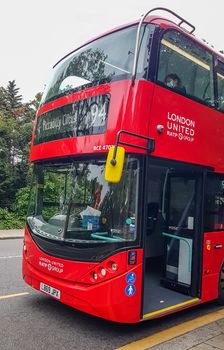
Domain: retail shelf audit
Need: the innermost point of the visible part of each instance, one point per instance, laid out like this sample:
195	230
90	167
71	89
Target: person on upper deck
172	80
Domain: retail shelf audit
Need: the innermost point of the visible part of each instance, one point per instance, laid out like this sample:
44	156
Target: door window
181	207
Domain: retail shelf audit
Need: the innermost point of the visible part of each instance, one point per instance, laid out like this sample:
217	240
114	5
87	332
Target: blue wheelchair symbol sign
131	278
130	290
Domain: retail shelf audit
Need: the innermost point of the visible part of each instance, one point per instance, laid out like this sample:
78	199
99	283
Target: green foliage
16	125
13	98
22	201
10	220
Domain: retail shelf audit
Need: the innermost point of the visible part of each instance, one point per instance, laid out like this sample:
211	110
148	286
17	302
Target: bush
10	220
15	216
21	202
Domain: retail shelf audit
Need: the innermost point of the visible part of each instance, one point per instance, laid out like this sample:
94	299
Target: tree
16	125
3	100
35	103
14	100
10	176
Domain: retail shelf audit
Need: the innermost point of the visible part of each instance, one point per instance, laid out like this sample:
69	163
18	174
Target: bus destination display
83	117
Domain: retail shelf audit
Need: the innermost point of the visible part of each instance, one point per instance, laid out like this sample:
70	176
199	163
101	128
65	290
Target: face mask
170	84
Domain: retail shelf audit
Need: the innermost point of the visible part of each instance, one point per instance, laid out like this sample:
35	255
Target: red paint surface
208	130
104	298
129	110
212	261
140	109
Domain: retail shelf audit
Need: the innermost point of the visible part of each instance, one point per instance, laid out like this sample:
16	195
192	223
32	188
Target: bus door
181	230
173	238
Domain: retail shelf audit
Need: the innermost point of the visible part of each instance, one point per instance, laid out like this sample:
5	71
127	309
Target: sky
36	34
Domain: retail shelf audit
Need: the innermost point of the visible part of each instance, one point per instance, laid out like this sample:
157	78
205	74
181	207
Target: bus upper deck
91	96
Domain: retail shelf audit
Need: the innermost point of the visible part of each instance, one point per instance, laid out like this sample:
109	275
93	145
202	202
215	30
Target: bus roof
157	20
166	23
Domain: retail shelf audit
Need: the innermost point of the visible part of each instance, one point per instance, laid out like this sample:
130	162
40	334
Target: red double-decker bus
147	240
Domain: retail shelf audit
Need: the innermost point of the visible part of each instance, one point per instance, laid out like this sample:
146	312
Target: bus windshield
104	60
73	202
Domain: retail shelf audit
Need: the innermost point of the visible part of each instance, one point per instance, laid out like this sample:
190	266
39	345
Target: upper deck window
190	62
220	81
103	60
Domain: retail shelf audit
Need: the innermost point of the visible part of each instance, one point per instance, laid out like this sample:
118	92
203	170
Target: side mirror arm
150	144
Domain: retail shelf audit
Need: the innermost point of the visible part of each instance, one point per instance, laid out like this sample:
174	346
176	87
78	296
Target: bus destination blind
83	117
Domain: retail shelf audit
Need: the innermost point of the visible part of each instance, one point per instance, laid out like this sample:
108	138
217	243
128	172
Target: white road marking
13	295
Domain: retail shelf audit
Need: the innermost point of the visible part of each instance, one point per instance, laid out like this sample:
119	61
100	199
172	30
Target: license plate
50	290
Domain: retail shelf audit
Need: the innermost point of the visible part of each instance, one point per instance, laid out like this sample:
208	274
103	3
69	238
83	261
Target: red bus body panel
129	110
104	298
191	133
213	258
140	109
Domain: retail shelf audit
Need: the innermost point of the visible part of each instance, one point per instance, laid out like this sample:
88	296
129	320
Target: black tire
221	286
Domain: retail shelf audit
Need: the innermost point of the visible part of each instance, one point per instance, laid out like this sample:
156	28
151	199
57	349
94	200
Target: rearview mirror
114	164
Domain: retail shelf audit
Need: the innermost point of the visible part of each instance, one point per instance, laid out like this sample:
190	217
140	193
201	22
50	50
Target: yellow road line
173	332
173	307
13	295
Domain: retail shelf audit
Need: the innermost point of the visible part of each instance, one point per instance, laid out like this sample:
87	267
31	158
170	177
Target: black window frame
217	63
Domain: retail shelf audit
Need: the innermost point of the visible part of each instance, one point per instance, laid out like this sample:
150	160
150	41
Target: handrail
184	240
150	144
182	20
98	235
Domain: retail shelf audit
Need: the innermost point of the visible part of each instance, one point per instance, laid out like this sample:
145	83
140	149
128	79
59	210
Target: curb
11	237
167	335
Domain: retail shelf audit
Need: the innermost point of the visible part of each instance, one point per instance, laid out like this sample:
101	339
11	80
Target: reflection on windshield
74	203
72	82
104	60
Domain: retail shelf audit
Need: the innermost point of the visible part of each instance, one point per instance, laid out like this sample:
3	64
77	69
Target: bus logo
180	127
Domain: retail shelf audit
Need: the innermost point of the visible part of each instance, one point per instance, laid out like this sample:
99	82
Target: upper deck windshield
73	203
103	60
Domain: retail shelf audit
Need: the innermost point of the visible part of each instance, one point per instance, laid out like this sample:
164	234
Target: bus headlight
103	272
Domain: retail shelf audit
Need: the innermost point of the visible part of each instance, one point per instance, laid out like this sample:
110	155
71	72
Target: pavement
208	337
203	333
10	234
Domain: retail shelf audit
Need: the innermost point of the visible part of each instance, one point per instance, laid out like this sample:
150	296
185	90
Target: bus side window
190	62
214	203
220	82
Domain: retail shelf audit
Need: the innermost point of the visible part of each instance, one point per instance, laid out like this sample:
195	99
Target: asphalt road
35	321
